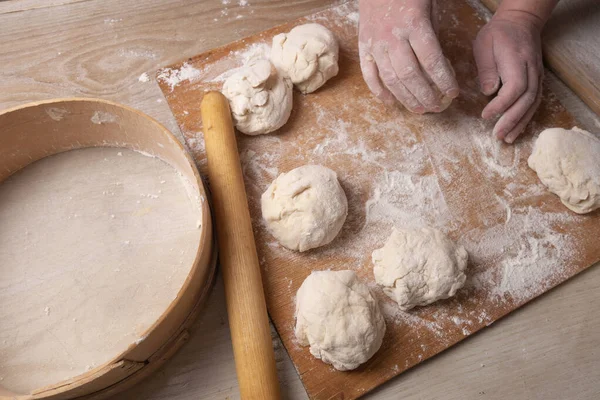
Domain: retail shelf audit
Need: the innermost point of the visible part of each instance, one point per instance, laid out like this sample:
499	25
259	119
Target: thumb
483	50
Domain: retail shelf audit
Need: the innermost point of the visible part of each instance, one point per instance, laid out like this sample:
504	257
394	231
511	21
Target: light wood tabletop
100	48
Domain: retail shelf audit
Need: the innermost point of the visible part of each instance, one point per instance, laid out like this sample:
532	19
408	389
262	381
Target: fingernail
509	140
420	110
500	134
487	88
453	93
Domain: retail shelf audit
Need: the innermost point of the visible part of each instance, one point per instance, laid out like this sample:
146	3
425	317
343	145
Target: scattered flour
493	154
174	77
196	143
353	16
254	51
407	201
57	114
138	53
522	258
144	77
505	204
102	117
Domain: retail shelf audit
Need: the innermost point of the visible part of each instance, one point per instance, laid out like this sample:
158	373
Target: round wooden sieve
31	132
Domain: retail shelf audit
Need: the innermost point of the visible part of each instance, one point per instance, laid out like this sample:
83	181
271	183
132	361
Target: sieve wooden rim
36	130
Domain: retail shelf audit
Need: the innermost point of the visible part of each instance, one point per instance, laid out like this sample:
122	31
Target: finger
371	77
483	51
429	54
511	118
393	83
513	73
520	127
408	72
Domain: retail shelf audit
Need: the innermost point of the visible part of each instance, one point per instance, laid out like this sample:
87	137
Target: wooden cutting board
400	169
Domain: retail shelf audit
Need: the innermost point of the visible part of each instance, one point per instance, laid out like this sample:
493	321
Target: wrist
531	12
523	18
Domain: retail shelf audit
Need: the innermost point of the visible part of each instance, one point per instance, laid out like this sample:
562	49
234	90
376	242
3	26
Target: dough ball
339	318
417	267
305	208
568	163
259	97
308	55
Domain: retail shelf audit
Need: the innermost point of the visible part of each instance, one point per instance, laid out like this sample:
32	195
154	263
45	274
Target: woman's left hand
508	50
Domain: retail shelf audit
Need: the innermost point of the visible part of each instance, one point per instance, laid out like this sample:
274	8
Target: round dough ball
308	55
259	97
417	267
568	163
339	318
305	208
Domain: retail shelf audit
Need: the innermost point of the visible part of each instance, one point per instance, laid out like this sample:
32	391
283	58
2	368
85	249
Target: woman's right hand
400	54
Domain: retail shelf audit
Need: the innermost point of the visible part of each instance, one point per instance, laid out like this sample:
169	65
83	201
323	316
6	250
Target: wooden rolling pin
246	307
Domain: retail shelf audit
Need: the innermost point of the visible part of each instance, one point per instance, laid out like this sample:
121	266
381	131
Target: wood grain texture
246	306
10	6
545	350
476	181
571	46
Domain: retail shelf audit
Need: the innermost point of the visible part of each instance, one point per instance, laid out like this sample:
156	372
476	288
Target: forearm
539	10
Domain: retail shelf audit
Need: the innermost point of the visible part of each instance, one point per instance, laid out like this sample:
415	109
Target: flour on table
144	77
174	77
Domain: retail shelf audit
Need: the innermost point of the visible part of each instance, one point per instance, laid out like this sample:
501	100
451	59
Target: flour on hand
417	267
308	55
260	98
305	208
338	317
568	163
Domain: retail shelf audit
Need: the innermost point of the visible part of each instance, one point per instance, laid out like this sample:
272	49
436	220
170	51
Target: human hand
508	50
400	54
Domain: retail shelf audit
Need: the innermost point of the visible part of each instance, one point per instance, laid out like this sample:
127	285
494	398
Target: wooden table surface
99	48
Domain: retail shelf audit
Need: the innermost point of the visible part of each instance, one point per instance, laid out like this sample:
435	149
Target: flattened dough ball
338	317
568	163
305	208
260	98
308	55
419	266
